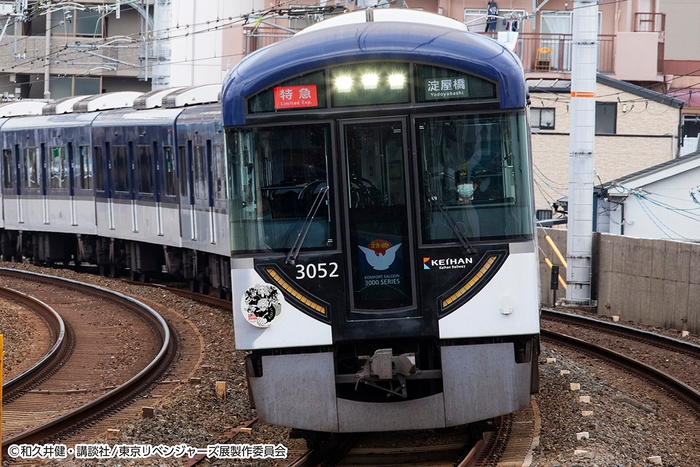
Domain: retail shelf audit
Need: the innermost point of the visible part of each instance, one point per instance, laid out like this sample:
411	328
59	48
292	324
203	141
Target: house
661	202
60	48
635	128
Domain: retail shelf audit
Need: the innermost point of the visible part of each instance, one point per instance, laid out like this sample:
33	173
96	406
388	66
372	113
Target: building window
74	86
542	118
76	22
508	20
605	118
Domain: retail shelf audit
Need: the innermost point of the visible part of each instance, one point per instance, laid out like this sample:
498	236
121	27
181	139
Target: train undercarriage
204	272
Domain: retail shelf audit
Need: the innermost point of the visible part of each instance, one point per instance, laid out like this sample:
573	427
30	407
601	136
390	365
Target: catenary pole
581	149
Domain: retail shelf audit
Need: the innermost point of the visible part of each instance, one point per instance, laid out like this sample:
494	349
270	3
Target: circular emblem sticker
261	304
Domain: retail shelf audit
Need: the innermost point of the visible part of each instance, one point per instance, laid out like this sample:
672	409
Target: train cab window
169	167
32	176
143	155
120	165
85	161
474	173
279	179
182	161
7	169
59	167
200	172
99	169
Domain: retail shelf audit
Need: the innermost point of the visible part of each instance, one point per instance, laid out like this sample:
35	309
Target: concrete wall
654	282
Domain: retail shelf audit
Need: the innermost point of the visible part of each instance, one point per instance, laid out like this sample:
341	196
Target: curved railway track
112	398
61	337
627	347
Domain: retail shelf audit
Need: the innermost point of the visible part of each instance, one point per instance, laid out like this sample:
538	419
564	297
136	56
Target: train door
71	182
378	214
43	163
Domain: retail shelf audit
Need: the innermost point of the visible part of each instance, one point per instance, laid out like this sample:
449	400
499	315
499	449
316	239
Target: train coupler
383	365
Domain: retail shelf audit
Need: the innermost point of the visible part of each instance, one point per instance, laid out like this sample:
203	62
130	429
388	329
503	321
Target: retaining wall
655	282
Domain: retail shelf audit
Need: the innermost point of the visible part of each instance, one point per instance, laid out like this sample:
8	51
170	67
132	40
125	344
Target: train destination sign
445	88
294	97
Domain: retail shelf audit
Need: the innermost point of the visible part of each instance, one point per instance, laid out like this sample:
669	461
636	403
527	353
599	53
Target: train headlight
396	81
261	304
343	83
370	81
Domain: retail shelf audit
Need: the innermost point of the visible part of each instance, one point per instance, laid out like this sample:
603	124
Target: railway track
651	356
61	338
504	441
118	312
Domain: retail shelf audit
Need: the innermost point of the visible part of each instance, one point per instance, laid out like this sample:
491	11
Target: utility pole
47	59
581	149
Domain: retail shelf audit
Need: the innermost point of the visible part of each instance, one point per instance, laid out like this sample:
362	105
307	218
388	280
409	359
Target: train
126	181
383	256
361	191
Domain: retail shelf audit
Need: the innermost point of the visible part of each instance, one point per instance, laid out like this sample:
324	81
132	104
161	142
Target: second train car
384	263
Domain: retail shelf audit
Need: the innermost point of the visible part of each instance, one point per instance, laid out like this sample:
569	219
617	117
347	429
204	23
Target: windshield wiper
301	236
433	198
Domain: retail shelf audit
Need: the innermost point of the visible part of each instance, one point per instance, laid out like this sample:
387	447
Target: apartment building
55	48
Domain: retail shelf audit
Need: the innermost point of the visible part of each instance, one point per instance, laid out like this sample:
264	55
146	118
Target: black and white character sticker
261	304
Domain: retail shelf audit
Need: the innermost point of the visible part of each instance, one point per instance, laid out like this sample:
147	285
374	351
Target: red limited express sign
292	97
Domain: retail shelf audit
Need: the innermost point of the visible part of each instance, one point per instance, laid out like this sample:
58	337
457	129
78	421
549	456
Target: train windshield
278	176
475	178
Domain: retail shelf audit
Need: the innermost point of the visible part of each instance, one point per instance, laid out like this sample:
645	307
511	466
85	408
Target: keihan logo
380	254
425	263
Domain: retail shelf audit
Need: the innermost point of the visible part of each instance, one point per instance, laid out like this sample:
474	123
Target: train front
384	263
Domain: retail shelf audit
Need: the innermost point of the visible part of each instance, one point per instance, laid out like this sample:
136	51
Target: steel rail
118	396
626	331
687	394
54	357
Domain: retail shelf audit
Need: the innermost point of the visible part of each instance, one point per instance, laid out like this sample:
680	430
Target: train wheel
317	440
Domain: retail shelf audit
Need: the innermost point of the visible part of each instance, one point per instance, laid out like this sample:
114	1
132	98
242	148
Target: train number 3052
317	271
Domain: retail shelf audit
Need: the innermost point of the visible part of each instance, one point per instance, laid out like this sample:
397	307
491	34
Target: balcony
555	52
528	44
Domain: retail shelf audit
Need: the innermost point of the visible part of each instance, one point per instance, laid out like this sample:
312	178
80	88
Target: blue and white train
363	190
124	181
383	261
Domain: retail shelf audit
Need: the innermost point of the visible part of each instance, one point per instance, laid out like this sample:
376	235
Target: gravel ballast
630	424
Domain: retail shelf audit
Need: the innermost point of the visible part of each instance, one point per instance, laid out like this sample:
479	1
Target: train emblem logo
261	304
380	254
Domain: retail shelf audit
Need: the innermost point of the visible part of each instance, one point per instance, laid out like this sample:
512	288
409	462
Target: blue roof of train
373	41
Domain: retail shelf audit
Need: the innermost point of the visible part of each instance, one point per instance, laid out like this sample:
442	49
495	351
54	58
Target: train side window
85	162
200	172
58	167
143	154
170	174
99	169
182	160
219	170
7	169
121	169
31	166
